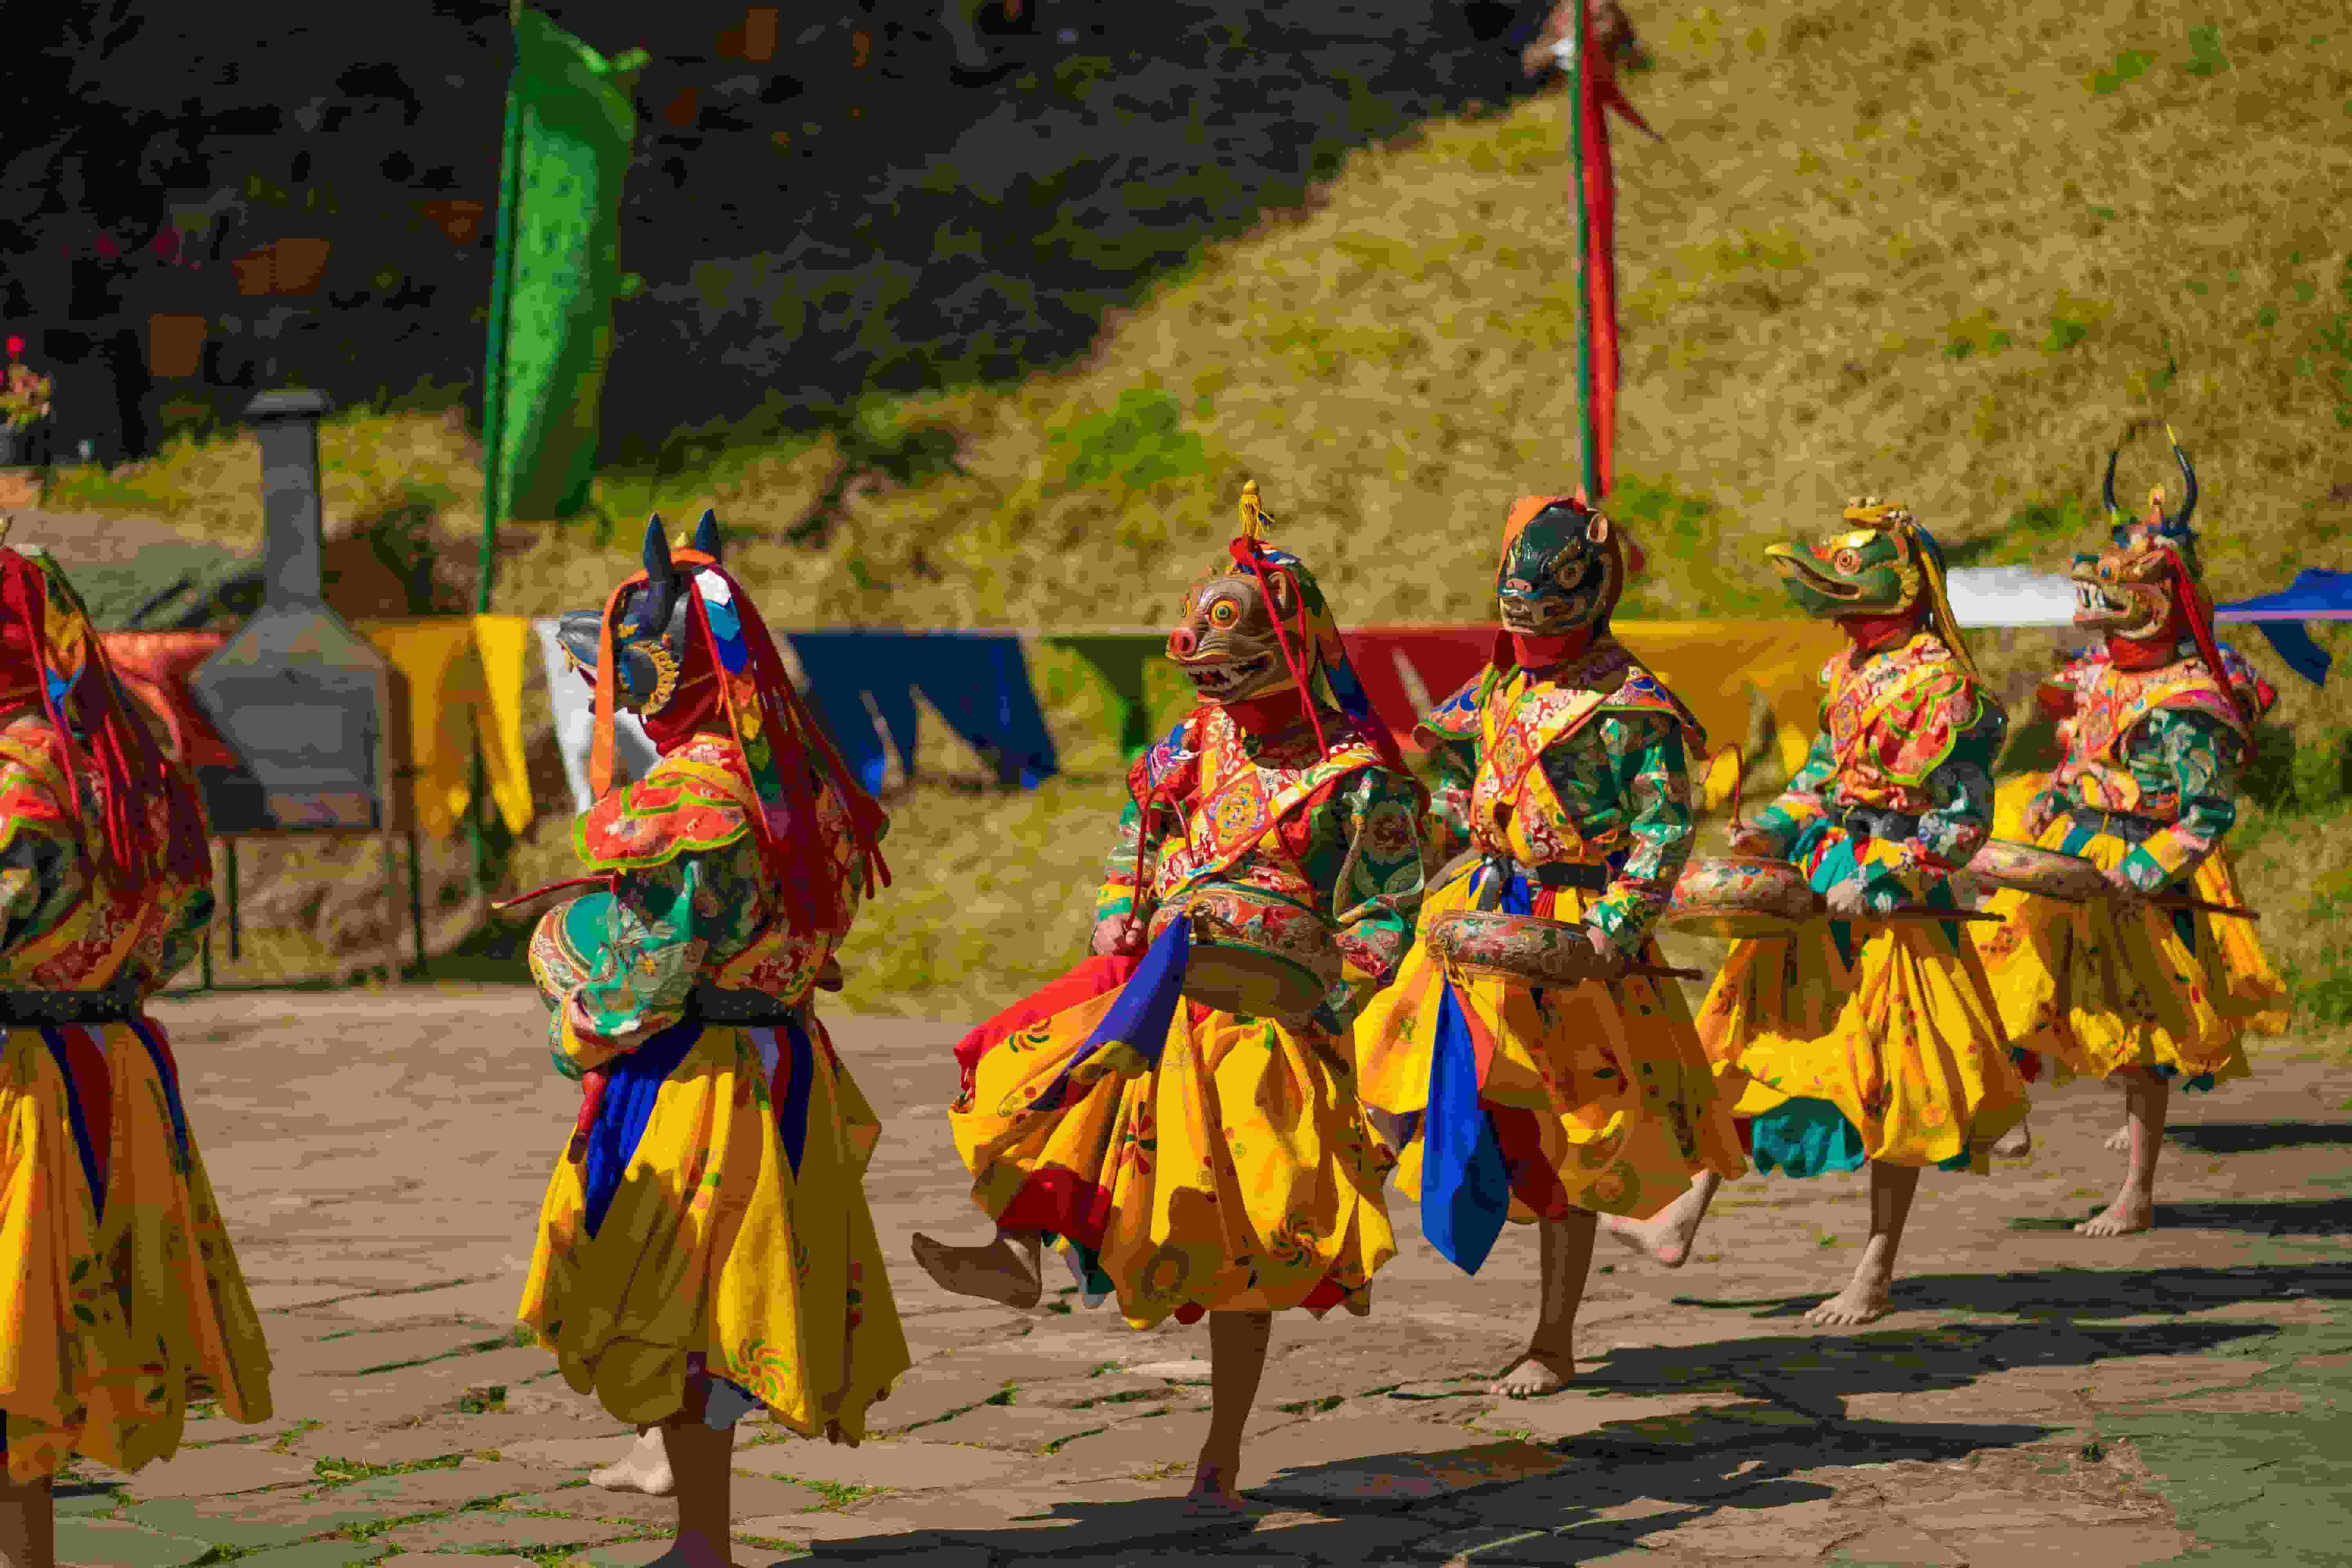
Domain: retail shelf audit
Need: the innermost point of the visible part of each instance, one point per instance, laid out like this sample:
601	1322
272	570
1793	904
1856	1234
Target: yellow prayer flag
451	704
1713	666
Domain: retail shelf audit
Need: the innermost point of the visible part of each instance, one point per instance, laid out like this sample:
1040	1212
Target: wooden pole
229	850
416	900
494	397
392	932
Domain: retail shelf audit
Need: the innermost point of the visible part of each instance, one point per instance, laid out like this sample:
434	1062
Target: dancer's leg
28	1525
644	1469
1864	1300
1237	1347
1007	1270
1666	1237
2147	1098
705	1493
1548	1363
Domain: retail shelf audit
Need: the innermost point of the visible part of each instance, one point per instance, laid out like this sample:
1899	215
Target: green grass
837	1494
345	1470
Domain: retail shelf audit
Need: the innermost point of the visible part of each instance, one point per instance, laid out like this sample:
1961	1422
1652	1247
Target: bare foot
2016	1143
2119	1141
1536	1373
1863	1301
1666	1237
645	1468
1664	1240
999	1273
2130	1214
1213	1486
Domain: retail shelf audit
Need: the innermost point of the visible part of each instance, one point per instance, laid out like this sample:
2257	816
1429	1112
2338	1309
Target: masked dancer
1870	1035
705	1248
121	1303
2140	987
1563	772
1194	1156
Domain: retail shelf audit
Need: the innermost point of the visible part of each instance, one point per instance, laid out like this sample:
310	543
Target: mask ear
1597	530
657	552
705	535
661	579
1279	584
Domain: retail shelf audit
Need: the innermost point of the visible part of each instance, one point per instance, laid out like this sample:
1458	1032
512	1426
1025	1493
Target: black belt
750	1009
1870	822
2128	825
18	1008
1585	877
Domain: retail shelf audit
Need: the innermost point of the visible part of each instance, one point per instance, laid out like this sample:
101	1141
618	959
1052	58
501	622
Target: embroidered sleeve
175	941
2200	759
1119	895
1375	895
1800	804
646	967
1952	829
1454	768
1652	780
41	873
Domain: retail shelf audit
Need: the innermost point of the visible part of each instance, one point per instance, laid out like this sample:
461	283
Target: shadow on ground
2099	1293
1782	1417
2249	1137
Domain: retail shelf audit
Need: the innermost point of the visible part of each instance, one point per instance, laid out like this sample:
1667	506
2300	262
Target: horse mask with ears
651	620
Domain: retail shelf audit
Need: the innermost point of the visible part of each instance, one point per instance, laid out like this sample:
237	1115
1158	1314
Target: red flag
1595	75
1442	657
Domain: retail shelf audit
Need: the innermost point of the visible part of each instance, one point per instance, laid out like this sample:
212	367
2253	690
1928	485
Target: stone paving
2036	1399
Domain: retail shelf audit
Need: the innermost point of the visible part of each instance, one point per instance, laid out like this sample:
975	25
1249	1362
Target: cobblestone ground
2177	1396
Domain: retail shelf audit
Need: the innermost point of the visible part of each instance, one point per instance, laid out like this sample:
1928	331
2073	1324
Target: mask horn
705	535
661	579
2179	523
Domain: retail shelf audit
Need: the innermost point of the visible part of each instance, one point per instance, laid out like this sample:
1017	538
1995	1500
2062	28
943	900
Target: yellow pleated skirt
1890	1049
1237	1173
720	1212
2094	991
113	1319
1601	1097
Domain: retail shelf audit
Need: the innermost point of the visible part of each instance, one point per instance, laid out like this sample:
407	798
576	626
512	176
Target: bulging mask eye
1225	613
1846	562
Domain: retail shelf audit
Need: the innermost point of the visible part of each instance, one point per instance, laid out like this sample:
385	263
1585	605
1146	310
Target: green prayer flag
569	126
1118	660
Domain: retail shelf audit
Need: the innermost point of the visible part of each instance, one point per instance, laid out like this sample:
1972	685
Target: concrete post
287	425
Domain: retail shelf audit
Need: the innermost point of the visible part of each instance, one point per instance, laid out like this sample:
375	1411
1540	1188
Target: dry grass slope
1942	253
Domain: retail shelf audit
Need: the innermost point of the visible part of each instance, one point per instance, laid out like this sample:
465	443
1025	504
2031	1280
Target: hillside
1943	256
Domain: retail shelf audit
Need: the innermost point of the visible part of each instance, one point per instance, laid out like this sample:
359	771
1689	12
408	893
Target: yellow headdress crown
1885	516
1255	521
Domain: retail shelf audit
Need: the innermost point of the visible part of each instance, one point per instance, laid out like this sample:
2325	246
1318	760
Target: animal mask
1870	570
651	625
2131	591
1563	569
1225	641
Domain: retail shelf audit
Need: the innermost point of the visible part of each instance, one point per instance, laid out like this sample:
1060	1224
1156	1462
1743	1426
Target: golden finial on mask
1255	523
